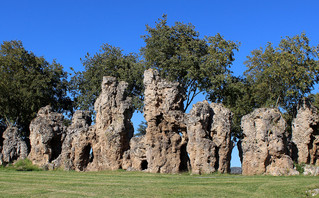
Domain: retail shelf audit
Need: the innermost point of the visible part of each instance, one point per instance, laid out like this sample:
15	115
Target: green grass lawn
140	184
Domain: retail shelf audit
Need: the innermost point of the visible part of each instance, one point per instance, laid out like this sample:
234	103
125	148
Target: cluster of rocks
266	147
199	141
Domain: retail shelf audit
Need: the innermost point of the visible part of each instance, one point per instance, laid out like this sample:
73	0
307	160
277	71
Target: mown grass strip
140	184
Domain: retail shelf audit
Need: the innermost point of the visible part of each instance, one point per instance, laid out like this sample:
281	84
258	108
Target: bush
300	167
25	165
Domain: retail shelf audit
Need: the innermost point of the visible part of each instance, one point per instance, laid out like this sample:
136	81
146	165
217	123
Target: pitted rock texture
311	170
113	129
76	147
135	158
46	135
264	144
209	145
14	147
305	134
101	146
165	144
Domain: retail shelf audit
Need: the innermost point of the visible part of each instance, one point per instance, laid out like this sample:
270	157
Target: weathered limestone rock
135	158
209	145
46	135
100	147
113	129
311	170
165	144
264	144
14	147
76	148
305	134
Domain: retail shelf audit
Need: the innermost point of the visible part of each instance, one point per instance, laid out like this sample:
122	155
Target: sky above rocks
66	30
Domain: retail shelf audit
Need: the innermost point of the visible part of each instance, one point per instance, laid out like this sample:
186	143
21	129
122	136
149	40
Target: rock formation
14	147
135	158
209	145
76	148
113	128
165	134
101	146
46	135
264	144
305	134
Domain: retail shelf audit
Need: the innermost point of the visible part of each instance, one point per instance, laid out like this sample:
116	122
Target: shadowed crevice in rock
85	157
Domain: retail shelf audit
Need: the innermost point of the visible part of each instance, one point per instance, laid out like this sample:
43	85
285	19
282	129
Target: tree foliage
179	54
281	76
141	130
110	61
27	83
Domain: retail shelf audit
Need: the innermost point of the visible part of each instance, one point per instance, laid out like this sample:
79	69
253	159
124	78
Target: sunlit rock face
165	133
305	134
264	144
209	133
113	128
13	146
46	136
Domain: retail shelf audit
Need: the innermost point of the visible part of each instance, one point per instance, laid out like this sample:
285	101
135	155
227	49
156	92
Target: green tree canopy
109	61
27	83
281	76
179	54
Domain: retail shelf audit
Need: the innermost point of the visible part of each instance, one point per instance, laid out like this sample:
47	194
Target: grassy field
139	184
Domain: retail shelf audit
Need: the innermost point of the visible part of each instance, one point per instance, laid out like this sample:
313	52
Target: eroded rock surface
209	134
165	133
14	147
101	146
264	144
46	136
311	170
76	148
135	158
113	129
305	134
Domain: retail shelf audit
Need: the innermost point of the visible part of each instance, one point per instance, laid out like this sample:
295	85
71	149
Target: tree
110	61
281	76
179	54
27	83
141	130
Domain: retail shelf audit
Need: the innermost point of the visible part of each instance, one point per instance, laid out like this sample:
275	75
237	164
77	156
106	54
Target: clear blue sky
66	30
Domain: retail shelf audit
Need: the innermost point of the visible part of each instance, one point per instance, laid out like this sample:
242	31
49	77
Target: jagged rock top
81	119
261	121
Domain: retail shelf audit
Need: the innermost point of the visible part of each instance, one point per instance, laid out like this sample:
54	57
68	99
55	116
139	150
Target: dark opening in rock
216	166
184	165
56	146
144	165
86	157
